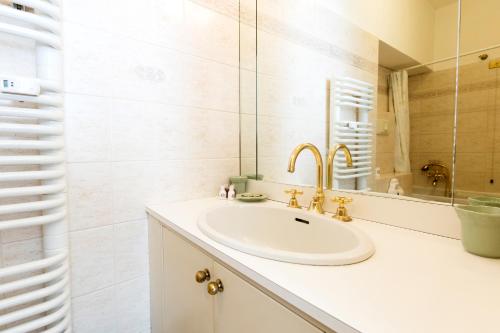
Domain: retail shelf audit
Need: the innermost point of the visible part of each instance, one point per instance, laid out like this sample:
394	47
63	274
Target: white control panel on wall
19	86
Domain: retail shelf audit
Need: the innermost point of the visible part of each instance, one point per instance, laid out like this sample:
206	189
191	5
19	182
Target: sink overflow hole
301	220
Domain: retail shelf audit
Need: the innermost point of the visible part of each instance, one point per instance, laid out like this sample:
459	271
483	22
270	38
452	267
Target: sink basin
286	234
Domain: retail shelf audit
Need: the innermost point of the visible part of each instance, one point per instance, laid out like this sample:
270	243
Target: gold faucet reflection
330	160
438	171
319	197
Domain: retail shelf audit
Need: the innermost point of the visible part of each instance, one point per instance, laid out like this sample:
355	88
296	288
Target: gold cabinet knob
202	276
294	203
341	213
215	287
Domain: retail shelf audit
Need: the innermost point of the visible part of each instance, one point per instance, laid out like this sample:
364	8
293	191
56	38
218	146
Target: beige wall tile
438	105
20	252
385	161
470	142
476	100
495	186
433	124
473	162
476	72
91	313
89	195
436	143
470	181
91	260
476	122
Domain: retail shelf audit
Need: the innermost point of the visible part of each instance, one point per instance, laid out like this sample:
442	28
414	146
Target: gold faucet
331	157
319	197
294	203
341	213
437	171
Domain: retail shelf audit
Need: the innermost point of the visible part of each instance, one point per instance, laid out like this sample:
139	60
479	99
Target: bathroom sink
286	234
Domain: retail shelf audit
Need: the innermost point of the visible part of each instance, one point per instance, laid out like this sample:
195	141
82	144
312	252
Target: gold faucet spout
319	197
319	161
330	160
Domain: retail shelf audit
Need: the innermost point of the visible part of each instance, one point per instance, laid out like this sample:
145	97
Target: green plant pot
484	201
480	229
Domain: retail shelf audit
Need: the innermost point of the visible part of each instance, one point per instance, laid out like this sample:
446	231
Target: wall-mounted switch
494	64
19	86
382	127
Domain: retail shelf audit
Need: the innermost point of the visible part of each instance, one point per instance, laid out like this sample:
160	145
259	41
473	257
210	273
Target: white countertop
415	282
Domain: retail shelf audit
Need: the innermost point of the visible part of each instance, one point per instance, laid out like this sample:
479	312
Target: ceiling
392	58
441	3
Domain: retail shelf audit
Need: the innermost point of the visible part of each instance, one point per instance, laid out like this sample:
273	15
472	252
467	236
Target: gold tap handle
293	192
341	213
342	200
293	203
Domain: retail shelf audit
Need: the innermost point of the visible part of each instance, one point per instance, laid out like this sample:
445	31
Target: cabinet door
243	308
188	306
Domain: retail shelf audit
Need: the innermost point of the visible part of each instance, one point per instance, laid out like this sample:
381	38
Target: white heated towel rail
353	102
35	296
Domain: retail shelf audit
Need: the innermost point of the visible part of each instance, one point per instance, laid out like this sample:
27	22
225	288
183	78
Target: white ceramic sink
286	234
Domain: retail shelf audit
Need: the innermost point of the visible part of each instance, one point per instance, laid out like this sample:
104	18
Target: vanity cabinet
180	304
188	306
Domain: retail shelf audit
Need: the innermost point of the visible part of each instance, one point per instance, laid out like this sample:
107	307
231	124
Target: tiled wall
248	88
431	124
151	114
432	107
302	47
432	102
478	129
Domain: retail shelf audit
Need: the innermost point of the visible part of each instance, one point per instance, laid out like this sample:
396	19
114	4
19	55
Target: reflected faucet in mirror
390	105
438	171
319	197
330	161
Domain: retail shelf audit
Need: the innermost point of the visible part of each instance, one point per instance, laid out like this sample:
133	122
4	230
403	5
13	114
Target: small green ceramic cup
484	201
255	177
480	229
240	183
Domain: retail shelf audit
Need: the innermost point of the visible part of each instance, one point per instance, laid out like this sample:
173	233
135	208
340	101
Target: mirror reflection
372	76
477	171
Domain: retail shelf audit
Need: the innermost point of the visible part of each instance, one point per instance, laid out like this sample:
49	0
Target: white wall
406	25
479	28
445	32
151	112
480	22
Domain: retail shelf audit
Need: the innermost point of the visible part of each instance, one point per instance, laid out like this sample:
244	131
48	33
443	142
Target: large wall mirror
477	170
380	79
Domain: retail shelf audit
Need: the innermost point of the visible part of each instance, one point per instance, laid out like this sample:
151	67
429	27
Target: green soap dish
484	201
480	229
251	197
